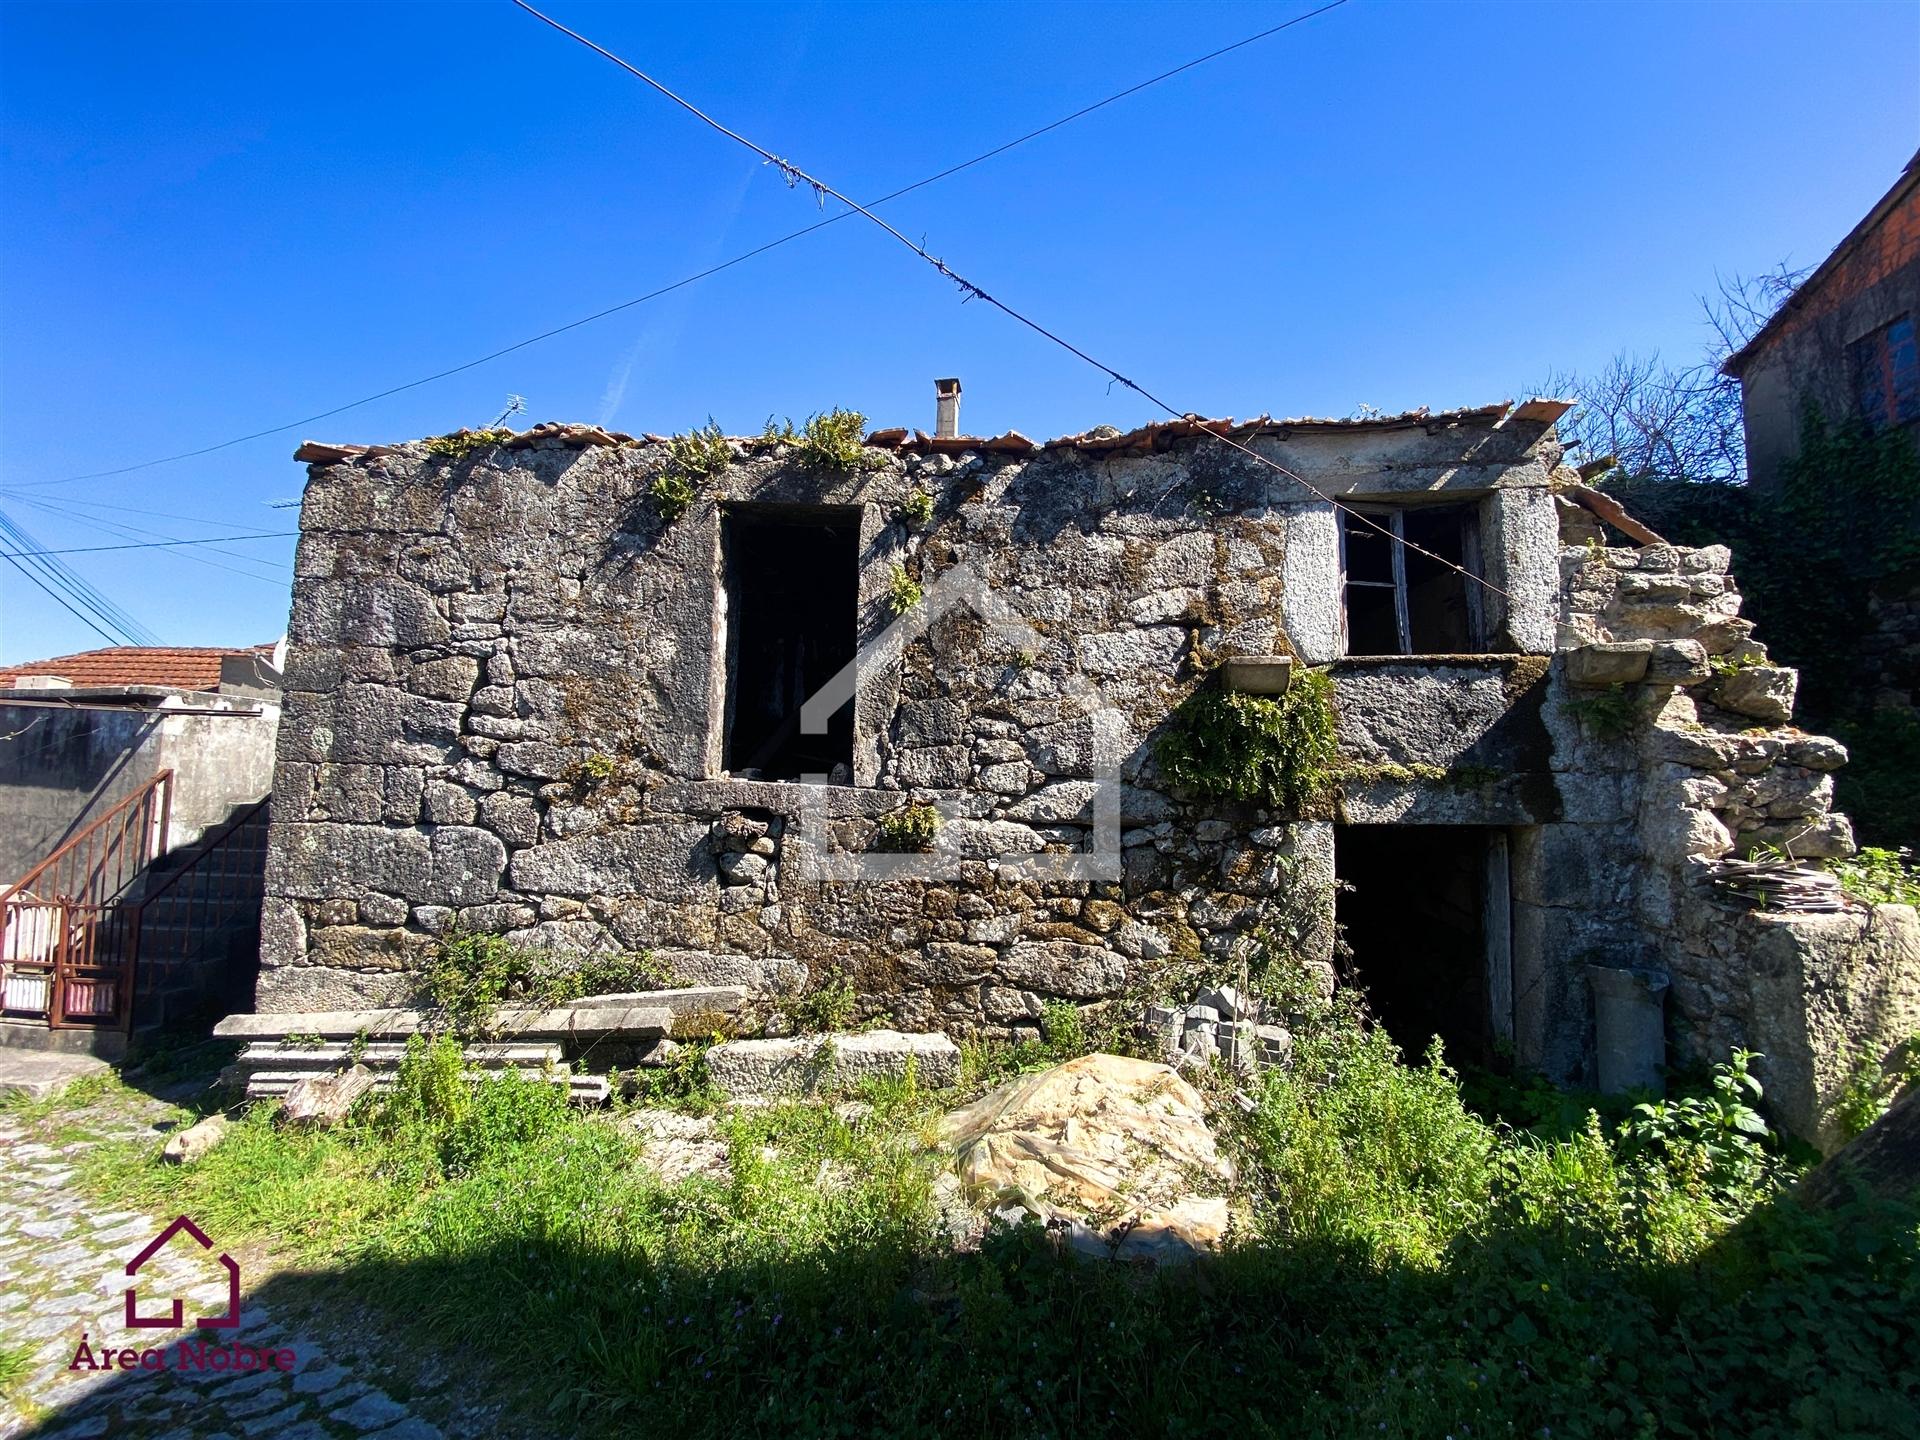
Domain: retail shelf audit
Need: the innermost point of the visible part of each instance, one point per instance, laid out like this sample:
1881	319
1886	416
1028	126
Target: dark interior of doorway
792	578
1415	920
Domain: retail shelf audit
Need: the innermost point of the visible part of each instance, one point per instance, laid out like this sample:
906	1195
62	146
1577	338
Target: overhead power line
797	176
6	491
698	276
67	510
69	590
152	544
88	621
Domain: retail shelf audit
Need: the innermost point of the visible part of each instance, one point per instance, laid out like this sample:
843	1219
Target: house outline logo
961	585
175	1320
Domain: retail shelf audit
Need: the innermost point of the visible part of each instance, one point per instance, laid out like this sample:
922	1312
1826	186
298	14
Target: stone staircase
199	923
634	1028
269	1069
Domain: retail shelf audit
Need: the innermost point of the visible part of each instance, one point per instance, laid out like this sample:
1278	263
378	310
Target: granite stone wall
506	700
509	680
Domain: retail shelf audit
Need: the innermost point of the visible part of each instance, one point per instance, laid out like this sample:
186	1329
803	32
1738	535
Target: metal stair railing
68	936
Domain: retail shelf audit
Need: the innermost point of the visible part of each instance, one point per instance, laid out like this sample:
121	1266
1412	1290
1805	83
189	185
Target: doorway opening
1424	910
792	594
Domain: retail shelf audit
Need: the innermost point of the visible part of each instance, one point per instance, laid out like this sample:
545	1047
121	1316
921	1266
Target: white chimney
946	415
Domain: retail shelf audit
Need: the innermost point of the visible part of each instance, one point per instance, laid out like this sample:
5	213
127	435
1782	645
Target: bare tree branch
1662	422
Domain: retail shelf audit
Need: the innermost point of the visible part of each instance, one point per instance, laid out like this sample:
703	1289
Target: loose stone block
1607	663
1763	691
824	1064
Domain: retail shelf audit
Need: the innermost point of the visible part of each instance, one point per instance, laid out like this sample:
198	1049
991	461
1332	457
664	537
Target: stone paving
63	1279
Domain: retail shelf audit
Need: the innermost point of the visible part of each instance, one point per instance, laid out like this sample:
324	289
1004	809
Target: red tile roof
181	667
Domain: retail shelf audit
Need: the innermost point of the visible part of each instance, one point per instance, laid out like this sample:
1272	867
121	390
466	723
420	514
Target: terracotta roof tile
1102	439
179	667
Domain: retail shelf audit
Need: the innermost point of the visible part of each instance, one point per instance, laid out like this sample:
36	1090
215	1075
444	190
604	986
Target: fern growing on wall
1272	749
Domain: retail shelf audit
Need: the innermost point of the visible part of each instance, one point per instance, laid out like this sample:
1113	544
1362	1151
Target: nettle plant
1721	1133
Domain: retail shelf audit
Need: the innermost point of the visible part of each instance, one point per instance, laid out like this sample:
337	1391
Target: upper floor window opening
1400	601
1886	374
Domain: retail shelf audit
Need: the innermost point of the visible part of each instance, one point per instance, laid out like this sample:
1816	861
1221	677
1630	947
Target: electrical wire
711	271
60	580
7	492
151	544
134	532
795	175
92	625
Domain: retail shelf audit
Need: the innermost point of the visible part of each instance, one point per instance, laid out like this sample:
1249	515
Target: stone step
685	1000
586	1089
823	1064
559	1023
388	1056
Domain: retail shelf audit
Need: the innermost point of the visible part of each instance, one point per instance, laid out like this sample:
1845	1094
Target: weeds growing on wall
1611	713
1880	876
462	443
827	1007
694	461
470	975
835	440
1873	1085
1273	750
911	827
903	591
916	511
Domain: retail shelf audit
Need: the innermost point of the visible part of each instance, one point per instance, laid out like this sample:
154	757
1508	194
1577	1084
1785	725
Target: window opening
1401	602
1886	374
792	596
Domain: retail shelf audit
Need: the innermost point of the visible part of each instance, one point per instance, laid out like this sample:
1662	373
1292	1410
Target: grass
1399	1266
14	1360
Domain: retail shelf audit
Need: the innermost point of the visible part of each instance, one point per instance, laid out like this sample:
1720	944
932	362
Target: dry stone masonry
526	697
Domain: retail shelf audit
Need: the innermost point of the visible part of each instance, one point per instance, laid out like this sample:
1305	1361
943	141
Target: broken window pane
792	580
1410	599
1437	594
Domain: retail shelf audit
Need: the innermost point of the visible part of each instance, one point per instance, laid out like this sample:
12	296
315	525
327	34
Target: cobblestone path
63	1277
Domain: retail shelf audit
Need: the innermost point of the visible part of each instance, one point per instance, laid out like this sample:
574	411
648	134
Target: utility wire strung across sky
149	545
68	590
713	270
795	176
124	531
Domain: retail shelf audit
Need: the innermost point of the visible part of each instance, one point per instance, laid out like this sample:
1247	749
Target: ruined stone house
525	696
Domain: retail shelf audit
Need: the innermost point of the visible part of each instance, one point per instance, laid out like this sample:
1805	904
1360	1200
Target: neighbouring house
1844	344
133	785
1844	340
899	716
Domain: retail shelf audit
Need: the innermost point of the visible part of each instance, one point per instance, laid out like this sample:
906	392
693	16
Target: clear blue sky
220	218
